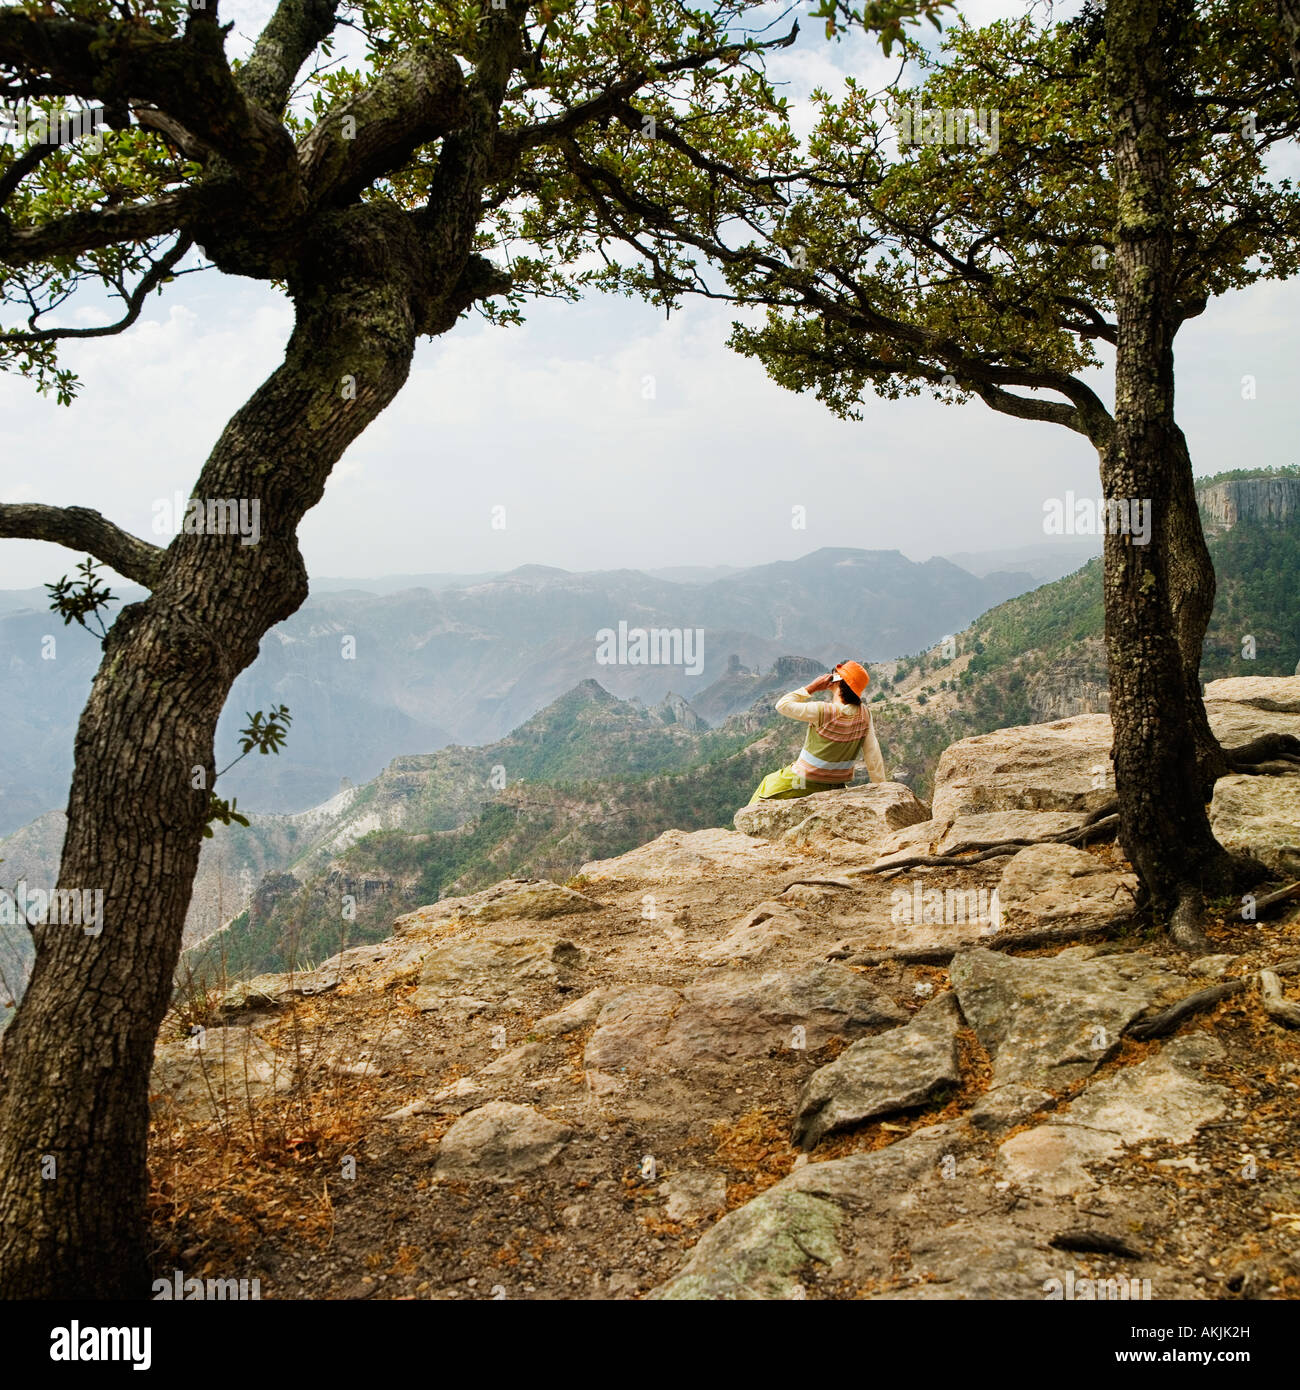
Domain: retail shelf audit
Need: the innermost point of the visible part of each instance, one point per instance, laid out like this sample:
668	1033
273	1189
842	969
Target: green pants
782	785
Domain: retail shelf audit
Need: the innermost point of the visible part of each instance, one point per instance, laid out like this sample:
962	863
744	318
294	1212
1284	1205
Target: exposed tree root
995	941
1279	895
1260	754
1094	1242
1168	1019
1102	824
1184	921
1276	1005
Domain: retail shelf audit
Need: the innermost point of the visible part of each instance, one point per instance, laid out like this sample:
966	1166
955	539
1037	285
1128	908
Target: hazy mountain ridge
371	676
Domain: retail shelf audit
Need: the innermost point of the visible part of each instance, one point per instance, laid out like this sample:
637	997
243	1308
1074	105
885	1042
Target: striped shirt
838	736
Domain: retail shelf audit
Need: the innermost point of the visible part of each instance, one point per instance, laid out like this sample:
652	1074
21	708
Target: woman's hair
847	693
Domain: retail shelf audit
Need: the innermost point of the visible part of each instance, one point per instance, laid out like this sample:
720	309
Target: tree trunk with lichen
1192	587
1164	825
75	1062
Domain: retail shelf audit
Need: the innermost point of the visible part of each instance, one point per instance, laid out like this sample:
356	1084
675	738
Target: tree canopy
973	259
443	113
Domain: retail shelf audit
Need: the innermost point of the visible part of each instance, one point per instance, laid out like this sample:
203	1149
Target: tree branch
416	100
852	308
80	528
26	162
88	231
613	100
135	301
291	36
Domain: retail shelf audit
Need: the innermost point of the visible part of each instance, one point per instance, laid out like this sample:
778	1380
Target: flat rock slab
1280	693
760	1249
518	1060
980	830
493	966
680	856
756	934
377	962
576	1015
984	1259
1161	1099
921	838
1049	1021
1059	886
1066	766
1260	815
969	833
1234	723
631	1028
885	1179
1004	1107
261	992
733	1015
219	1068
500	1140
532	899
878	1076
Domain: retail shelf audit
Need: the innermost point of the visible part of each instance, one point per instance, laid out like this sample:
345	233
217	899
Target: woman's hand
821	683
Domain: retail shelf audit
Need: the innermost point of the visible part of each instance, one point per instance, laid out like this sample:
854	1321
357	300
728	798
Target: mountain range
372	675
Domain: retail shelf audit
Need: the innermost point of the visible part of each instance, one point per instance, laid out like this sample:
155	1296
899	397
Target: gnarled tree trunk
75	1062
1164	827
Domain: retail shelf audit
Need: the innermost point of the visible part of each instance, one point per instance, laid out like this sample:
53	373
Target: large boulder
898	1070
1280	693
769	820
1057	886
1062	766
532	899
862	813
1066	766
735	1014
679	856
500	1141
1053	1020
1260	815
853	823
494	966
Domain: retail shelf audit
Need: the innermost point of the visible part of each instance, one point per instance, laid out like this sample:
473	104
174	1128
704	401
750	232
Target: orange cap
853	675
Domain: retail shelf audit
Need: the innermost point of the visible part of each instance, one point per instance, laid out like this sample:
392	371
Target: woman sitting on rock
839	732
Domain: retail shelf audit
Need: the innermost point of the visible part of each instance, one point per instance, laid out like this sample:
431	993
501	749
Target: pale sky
550	422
